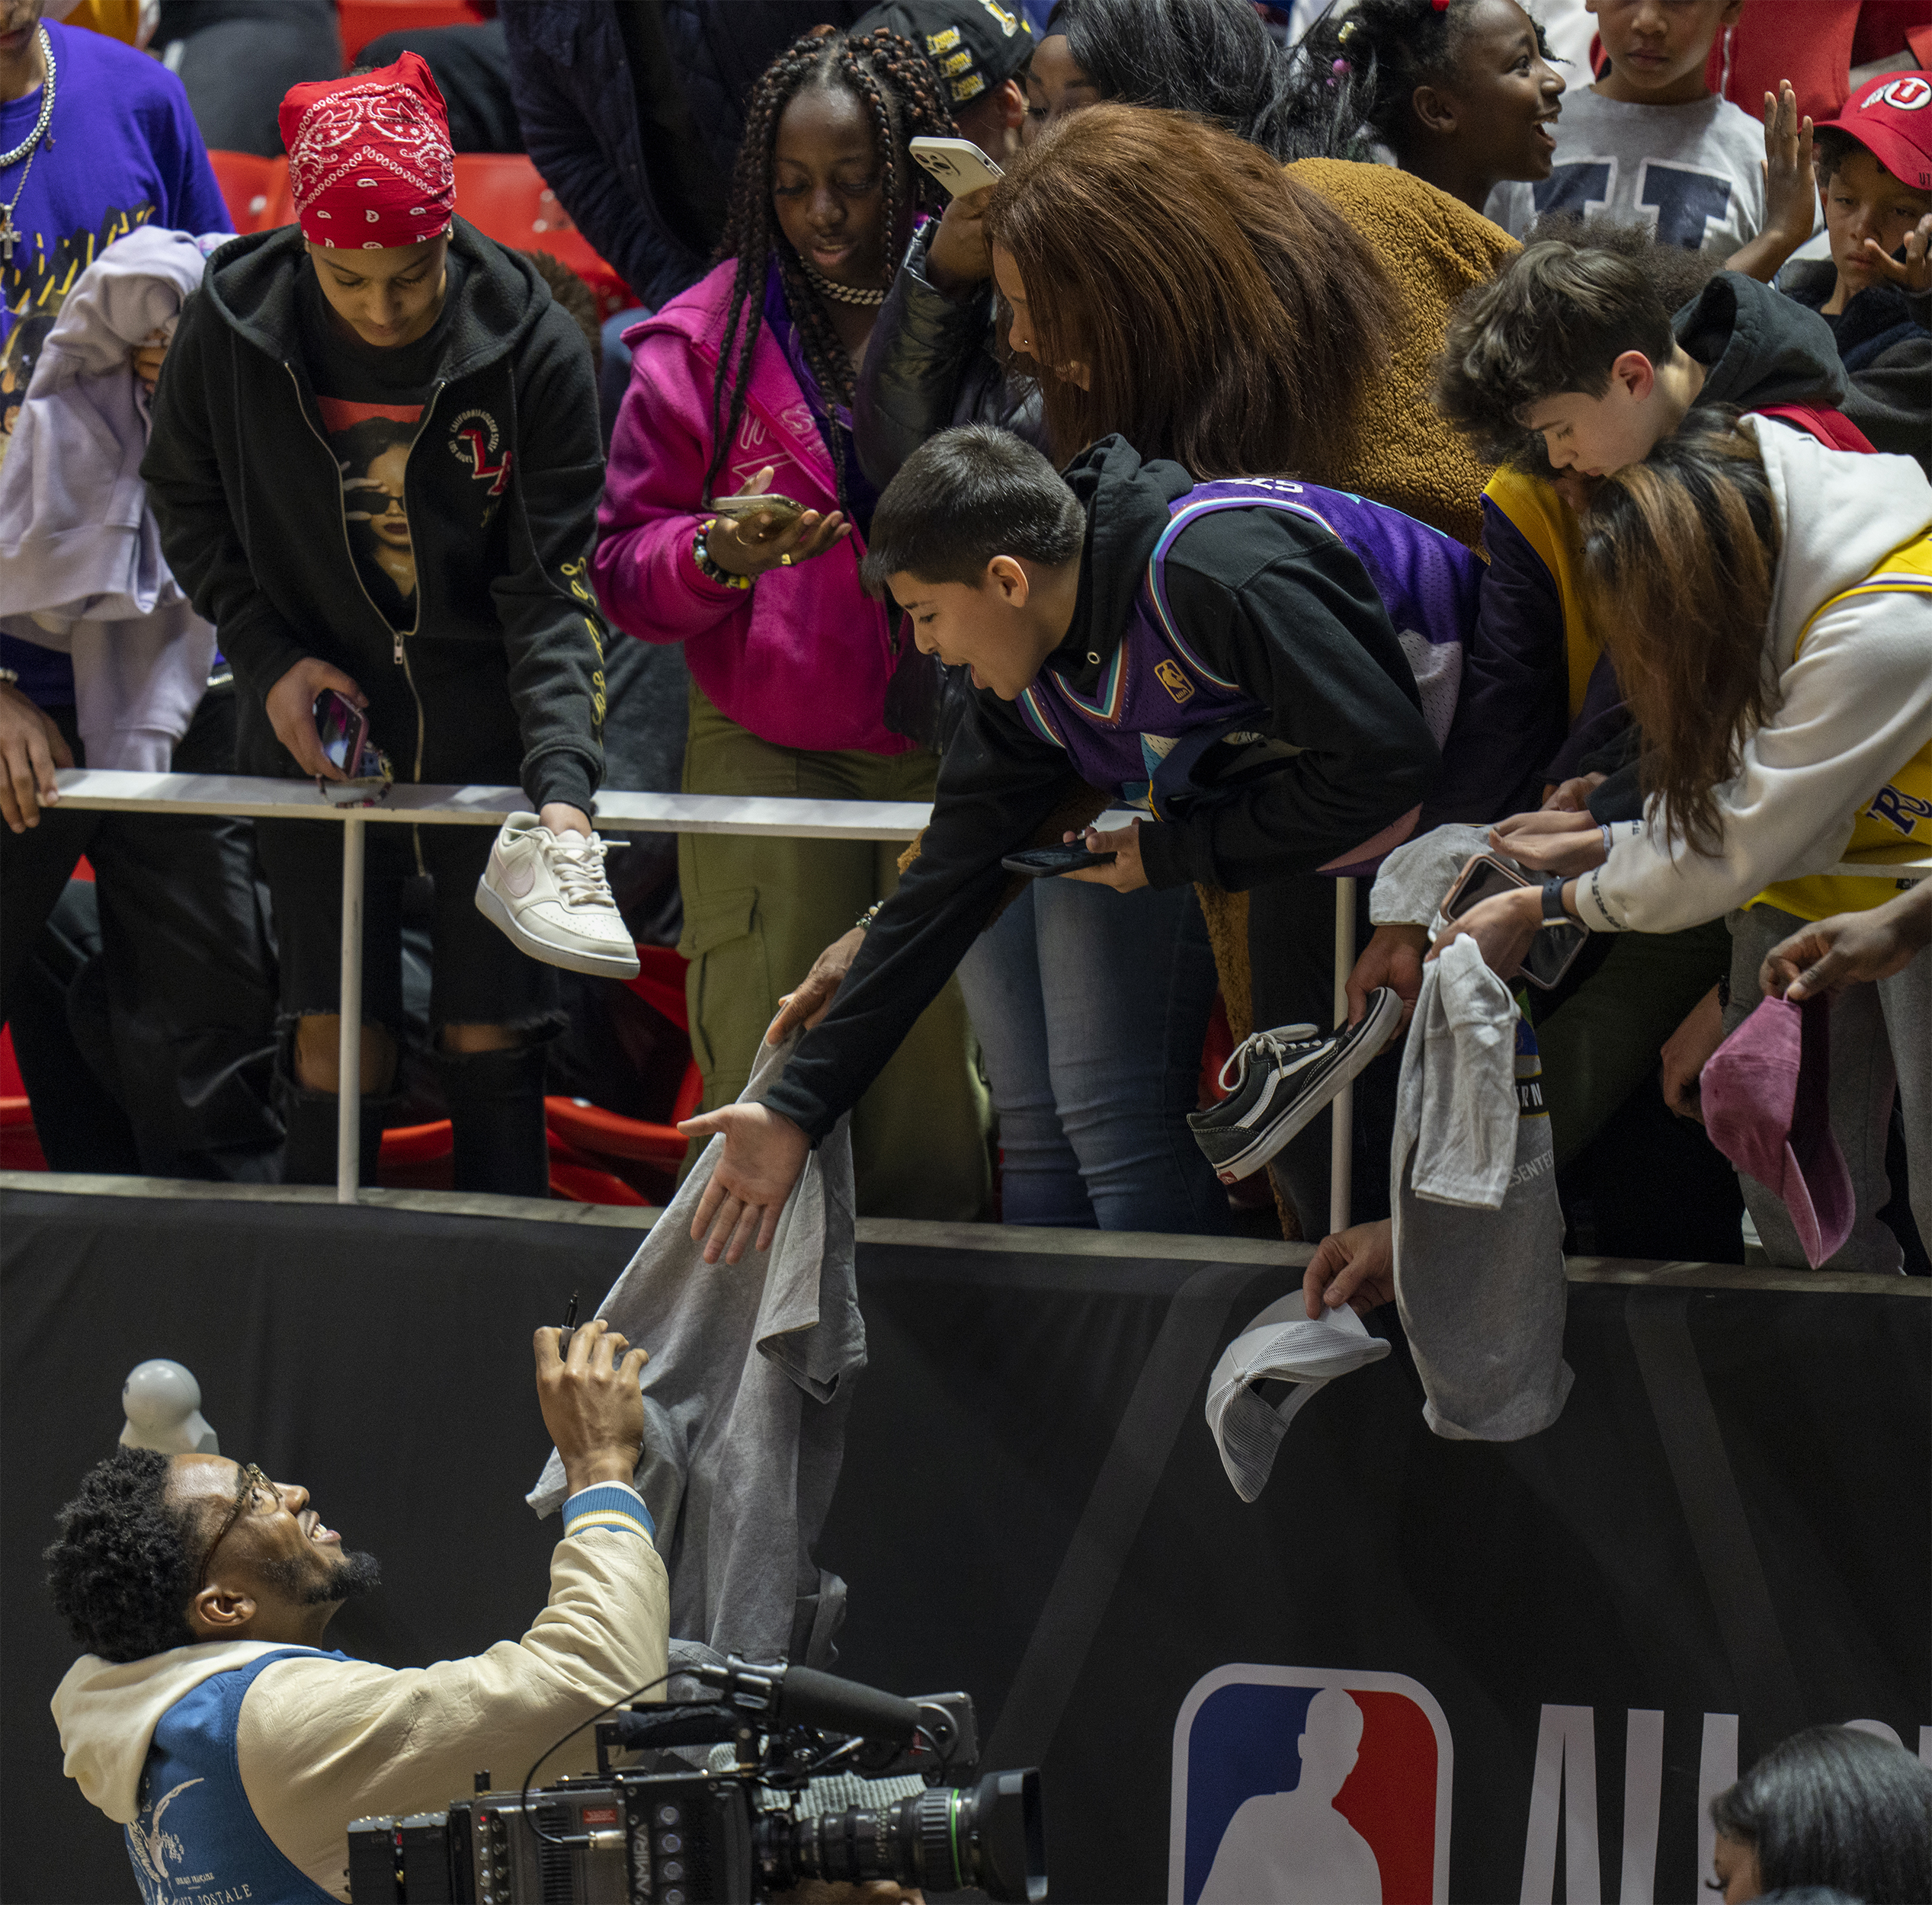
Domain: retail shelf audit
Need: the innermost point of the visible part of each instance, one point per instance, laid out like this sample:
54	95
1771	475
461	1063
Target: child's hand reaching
1790	189
1790	177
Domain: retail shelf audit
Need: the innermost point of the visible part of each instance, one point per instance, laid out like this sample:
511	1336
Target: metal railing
414	804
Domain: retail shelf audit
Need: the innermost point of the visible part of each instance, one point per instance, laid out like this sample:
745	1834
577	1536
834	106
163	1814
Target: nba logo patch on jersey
1173	678
1309	1786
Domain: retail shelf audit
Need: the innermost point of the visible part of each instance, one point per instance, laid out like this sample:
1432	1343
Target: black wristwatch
1553	912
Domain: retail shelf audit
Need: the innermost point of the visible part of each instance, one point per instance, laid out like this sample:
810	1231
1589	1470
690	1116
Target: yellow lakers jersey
1896	823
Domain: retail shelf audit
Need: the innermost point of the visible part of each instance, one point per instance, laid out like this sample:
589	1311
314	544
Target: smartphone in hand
1555	948
739	509
1042	863
959	165
342	728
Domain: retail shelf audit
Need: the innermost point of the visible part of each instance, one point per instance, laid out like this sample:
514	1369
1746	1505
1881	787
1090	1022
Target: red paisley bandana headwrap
369	158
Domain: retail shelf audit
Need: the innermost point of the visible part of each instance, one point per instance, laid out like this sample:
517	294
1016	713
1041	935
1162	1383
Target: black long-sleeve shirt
1267	599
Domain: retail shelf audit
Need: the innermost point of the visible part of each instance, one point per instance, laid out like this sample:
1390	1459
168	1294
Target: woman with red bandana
380	307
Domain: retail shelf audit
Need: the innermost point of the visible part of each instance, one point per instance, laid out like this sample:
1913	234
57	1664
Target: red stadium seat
252	188
20	1146
1809	44
363	20
660	983
503	195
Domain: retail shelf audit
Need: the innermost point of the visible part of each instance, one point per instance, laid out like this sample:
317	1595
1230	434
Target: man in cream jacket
205	1717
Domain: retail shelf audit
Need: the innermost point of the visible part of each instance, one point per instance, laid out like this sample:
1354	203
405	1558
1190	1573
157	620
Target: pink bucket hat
1765	1100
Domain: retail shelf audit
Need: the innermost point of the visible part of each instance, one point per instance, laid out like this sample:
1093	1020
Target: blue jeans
1091	1007
613	369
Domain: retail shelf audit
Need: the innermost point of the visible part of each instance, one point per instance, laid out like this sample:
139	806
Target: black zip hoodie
501	676
1267	599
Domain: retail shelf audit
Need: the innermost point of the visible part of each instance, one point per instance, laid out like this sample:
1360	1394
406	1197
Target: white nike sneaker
547	892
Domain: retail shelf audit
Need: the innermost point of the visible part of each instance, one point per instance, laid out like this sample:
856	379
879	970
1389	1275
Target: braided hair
1357	71
904	99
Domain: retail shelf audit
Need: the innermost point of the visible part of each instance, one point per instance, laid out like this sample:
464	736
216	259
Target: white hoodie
1853	708
321	1741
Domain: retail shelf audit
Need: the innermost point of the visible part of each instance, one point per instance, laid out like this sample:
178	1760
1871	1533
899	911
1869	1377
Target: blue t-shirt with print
122	150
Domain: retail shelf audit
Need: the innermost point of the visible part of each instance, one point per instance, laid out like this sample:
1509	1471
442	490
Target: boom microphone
808	1698
803	1696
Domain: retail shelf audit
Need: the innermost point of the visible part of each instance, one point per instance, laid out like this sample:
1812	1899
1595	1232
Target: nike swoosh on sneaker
517	880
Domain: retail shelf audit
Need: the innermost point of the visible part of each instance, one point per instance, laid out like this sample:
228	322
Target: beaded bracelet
707	566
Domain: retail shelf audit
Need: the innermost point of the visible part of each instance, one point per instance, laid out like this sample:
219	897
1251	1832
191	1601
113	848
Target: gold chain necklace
841	293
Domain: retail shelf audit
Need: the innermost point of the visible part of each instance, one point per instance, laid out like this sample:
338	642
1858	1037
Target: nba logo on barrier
1309	1786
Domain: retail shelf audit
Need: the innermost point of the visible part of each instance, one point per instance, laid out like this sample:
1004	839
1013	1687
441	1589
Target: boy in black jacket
1274	714
375	466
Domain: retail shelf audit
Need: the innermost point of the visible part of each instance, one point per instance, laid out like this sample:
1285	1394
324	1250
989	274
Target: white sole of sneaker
1372	1034
597	965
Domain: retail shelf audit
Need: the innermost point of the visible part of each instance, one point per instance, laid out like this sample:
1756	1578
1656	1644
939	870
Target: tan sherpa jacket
1434	248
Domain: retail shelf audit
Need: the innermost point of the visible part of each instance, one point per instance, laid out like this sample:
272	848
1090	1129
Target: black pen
569	1323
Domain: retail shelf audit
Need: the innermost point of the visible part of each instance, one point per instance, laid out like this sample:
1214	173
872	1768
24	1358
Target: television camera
739	1826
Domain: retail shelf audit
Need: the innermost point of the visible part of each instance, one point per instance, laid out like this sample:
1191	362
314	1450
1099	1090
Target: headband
370	162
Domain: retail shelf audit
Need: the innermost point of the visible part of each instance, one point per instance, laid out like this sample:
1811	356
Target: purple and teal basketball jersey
1164	732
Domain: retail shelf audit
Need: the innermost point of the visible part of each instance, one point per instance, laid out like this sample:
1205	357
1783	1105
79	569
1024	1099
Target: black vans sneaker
1277	1080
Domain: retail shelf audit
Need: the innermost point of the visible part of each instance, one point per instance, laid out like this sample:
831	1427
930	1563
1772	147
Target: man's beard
352	1575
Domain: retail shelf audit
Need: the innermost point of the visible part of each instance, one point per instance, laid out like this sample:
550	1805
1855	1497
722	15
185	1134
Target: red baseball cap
1891	117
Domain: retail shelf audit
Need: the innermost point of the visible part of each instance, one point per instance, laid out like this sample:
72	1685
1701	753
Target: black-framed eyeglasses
252	1478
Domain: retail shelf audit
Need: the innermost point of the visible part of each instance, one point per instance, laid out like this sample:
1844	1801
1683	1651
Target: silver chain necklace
841	293
28	149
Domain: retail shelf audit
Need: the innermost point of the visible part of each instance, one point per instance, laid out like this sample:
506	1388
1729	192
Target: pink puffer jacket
801	658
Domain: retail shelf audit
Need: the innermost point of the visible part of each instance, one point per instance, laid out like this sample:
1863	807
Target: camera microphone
803	1696
809	1698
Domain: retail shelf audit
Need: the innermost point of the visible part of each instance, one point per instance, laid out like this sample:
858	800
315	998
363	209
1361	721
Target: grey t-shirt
1693	174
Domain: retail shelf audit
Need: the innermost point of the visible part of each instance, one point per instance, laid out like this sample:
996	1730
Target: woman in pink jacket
745	382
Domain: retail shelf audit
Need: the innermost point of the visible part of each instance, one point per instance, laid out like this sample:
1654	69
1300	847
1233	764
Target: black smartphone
1038	862
1554	949
342	728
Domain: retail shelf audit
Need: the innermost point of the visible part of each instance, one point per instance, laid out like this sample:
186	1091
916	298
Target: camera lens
940	1840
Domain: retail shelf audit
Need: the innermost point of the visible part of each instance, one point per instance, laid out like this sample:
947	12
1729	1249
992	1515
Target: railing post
348	1050
1341	1153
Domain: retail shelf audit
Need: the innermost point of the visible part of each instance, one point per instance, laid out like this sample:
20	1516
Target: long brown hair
1229	317
1680	554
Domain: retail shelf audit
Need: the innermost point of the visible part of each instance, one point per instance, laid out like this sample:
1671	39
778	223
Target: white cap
1282	1344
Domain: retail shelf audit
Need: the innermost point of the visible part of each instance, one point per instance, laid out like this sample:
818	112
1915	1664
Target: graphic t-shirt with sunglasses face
371	400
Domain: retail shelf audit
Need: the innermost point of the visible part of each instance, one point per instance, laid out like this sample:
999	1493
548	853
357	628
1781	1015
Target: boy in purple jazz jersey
1263	667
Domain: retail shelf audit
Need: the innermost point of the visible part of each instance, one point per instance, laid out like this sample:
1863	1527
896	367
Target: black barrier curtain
1496	1673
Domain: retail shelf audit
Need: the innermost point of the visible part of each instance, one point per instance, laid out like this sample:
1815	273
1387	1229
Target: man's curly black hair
124	1571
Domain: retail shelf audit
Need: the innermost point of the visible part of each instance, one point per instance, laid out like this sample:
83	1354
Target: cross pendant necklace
10	234
29	149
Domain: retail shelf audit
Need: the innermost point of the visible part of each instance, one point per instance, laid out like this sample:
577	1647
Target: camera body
630	1839
682	1834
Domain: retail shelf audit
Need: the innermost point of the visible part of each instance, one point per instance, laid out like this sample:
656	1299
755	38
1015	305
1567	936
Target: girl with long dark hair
1767	604
745	381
